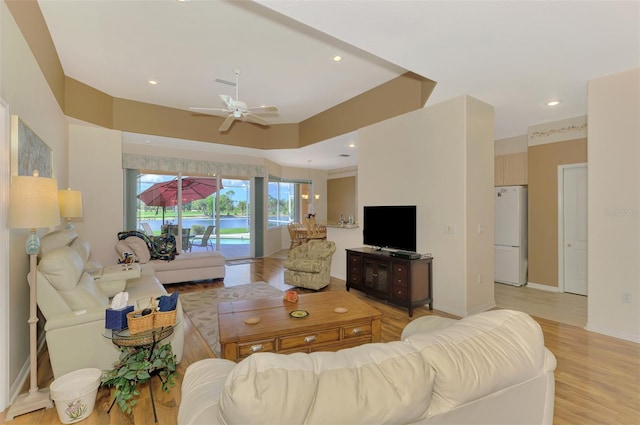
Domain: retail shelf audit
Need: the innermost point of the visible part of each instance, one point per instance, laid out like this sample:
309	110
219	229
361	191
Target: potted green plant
136	366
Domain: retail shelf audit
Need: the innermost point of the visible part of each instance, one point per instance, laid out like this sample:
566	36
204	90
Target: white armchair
73	305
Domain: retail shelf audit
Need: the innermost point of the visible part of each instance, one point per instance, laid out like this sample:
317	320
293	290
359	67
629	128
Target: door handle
568	245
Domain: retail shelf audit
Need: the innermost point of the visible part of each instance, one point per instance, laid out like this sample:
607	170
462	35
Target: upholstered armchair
309	265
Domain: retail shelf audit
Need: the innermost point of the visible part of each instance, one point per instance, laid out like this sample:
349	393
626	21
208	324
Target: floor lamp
33	204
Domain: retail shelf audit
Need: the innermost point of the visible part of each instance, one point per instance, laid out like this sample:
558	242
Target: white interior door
575	229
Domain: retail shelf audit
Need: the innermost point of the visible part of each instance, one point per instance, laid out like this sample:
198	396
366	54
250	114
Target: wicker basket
157	319
138	323
164	318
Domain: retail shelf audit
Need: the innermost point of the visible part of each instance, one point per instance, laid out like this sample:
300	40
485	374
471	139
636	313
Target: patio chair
147	229
203	240
186	243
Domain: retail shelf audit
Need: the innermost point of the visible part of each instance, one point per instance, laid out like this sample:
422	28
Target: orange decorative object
291	296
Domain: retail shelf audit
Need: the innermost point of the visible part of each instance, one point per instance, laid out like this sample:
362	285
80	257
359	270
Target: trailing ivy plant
136	366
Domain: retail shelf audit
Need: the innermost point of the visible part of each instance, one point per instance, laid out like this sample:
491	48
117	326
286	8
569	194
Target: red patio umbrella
165	194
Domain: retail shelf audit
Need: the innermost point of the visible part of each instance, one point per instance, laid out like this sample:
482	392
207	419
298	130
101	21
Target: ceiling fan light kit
236	109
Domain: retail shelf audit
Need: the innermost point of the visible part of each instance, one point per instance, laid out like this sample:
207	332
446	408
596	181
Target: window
285	202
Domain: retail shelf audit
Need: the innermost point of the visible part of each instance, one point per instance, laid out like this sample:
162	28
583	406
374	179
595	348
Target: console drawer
264	346
400	280
353	342
399	270
309	339
399	274
399	292
357	331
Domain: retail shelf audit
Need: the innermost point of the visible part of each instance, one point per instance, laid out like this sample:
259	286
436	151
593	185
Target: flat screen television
390	226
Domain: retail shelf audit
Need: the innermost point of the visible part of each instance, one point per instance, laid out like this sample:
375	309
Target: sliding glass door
233	235
179	205
203	213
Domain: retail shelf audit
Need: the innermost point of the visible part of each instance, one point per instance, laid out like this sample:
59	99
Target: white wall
343	238
27	94
95	168
614	205
479	206
429	158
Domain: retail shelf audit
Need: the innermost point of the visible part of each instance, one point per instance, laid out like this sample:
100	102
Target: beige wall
27	94
95	168
614	205
543	205
479	213
341	198
445	168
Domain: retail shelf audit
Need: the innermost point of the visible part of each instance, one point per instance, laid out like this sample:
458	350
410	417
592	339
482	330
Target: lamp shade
70	203
33	203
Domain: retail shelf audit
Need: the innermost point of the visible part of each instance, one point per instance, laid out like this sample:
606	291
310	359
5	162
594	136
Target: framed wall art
28	151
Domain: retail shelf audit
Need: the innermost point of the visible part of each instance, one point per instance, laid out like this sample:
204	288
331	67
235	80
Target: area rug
202	306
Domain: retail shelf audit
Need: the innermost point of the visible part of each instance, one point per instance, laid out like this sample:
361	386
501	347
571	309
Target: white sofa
186	267
73	303
490	368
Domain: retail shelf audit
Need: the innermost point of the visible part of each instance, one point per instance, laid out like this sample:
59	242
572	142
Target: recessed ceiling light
336	58
152	82
147	142
352	145
553	103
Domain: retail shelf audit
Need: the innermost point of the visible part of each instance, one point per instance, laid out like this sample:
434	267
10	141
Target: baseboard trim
482	308
23	375
543	287
616	334
457	313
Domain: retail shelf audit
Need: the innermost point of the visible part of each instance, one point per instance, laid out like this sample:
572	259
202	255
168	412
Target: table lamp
33	204
70	205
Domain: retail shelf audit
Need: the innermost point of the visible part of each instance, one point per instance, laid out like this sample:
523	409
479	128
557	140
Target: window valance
190	166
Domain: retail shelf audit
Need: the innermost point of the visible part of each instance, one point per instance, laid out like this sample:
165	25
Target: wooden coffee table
277	332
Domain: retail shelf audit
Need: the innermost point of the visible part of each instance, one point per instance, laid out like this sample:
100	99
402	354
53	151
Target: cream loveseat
185	267
309	265
73	303
490	368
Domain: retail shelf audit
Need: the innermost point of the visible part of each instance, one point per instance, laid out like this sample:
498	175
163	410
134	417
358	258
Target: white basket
74	394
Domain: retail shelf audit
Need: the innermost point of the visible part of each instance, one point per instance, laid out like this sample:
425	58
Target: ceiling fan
236	109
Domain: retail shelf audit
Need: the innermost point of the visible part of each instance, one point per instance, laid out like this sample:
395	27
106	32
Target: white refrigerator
510	224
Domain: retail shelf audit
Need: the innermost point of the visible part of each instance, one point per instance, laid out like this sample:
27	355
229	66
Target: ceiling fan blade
227	123
229	83
205	109
254	118
263	108
227	100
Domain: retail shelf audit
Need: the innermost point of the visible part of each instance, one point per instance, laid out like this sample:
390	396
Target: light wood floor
597	378
570	309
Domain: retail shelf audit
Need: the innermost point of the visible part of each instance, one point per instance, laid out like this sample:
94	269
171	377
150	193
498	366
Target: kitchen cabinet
511	169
